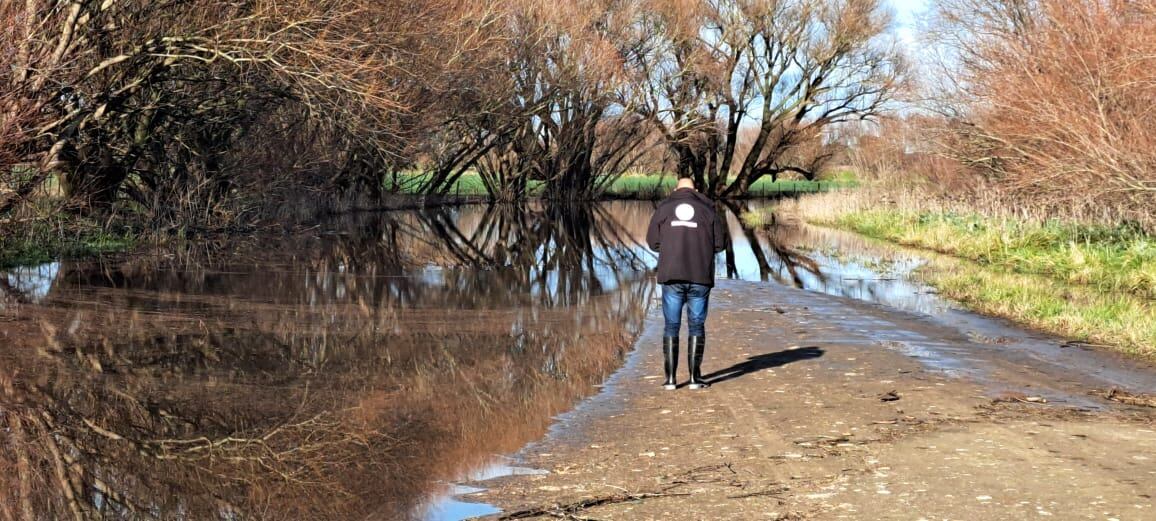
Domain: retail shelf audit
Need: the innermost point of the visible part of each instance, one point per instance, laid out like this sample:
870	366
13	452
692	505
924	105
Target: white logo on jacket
685	213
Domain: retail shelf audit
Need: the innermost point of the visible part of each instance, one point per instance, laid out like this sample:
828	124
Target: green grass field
654	186
631	186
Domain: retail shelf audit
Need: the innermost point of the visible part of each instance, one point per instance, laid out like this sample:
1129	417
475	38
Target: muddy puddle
369	369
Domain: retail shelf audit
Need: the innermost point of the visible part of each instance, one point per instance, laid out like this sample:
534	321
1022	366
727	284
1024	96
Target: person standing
686	233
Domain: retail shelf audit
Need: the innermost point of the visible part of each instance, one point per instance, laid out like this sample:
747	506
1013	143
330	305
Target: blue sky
906	14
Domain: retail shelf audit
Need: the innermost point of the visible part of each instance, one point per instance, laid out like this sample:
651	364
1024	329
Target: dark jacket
686	233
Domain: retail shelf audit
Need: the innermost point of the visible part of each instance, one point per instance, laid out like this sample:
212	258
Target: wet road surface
818	412
378	367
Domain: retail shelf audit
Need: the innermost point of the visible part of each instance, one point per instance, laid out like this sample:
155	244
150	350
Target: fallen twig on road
1020	398
822	441
1127	398
775	491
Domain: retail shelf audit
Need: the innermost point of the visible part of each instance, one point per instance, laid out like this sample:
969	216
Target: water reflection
753	255
351	373
342	376
27	284
829	261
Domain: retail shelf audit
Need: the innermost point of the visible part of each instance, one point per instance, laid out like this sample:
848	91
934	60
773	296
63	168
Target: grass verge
1113	260
1090	282
1123	323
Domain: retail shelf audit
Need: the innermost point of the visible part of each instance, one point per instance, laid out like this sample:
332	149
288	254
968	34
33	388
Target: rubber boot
670	356
694	353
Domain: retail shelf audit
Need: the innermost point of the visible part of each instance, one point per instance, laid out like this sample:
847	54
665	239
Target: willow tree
706	73
159	101
553	116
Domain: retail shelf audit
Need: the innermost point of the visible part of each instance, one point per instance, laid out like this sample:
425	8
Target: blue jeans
695	297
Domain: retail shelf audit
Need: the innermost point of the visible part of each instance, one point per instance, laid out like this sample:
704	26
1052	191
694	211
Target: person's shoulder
663	208
704	202
669	201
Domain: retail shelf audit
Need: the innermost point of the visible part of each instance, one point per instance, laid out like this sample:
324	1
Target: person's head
684	182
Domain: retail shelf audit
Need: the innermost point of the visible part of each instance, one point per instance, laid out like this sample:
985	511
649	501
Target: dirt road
827	408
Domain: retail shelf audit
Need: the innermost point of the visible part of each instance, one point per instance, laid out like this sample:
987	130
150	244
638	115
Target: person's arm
654	231
720	233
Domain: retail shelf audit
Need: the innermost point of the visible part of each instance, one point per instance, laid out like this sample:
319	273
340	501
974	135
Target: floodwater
353	373
364	370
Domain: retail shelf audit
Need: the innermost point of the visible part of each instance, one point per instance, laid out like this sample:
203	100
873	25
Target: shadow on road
763	361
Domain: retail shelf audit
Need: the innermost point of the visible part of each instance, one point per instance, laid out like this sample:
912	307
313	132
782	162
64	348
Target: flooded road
362	370
940	333
352	374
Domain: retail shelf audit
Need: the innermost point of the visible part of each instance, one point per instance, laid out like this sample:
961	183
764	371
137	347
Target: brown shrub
1061	94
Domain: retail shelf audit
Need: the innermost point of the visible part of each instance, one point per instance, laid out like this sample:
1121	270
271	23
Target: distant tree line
207	110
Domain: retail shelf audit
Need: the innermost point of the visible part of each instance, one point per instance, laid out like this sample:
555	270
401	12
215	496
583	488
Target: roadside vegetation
1030	156
209	117
1120	259
1104	320
1076	278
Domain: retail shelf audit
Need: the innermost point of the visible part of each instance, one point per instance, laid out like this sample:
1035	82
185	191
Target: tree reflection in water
773	254
339	377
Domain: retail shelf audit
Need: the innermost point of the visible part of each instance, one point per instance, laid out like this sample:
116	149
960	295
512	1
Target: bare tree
169	105
151	99
705	70
555	118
